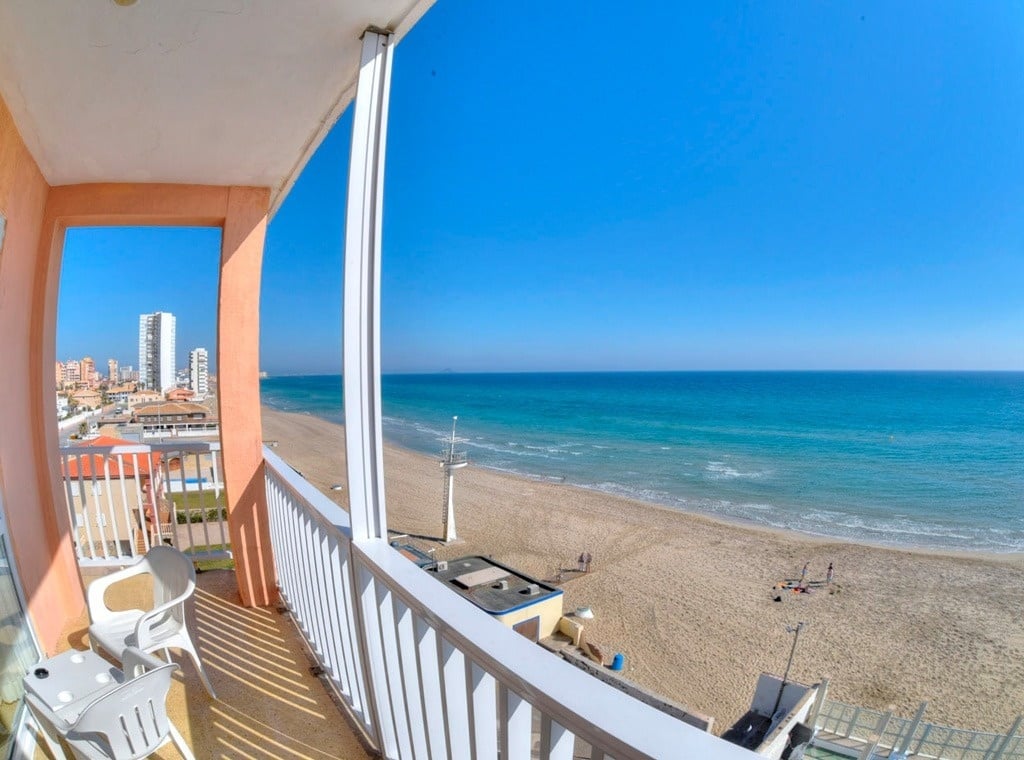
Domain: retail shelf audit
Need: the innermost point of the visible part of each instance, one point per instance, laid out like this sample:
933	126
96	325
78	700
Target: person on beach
830	575
587	558
581	562
803	573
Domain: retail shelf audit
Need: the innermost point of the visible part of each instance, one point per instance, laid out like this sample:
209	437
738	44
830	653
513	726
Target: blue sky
800	185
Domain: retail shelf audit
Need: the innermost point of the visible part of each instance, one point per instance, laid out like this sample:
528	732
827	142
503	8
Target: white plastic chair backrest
173	575
129	722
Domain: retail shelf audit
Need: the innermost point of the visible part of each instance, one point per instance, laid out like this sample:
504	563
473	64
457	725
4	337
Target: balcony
418	670
269	704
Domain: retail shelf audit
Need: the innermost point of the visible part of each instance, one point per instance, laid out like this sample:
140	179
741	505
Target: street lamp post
795	630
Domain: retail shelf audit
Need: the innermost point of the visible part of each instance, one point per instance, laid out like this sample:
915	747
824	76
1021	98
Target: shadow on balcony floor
269	706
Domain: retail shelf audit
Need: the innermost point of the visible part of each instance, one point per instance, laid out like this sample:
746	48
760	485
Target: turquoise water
914	459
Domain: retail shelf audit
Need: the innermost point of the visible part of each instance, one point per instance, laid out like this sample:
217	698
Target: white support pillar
449	515
361	309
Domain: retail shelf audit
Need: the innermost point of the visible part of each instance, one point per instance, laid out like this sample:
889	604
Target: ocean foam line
419	427
722	471
534	451
823	524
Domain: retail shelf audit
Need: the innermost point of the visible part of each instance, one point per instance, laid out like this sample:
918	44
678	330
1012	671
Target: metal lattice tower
451	460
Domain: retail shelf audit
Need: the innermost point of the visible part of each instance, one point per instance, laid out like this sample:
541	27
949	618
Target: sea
912	459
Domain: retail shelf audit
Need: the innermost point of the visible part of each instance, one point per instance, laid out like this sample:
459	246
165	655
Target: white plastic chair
127	723
164	626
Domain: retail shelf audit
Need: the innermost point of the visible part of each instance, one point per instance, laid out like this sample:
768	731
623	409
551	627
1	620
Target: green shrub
213	514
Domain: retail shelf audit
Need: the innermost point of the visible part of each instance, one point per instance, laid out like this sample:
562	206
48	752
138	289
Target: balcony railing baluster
115	518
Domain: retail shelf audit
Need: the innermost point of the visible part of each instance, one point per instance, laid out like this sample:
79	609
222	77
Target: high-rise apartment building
156	351
72	372
128	374
198	372
112	371
60	375
88	372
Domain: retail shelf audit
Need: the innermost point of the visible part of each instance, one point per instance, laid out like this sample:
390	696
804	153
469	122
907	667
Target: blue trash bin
618	661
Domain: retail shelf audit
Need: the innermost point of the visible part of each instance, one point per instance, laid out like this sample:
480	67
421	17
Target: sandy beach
689	599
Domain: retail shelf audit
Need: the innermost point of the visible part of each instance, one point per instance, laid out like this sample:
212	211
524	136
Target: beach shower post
451	460
795	630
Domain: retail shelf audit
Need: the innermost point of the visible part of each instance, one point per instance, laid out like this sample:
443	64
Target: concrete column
238	393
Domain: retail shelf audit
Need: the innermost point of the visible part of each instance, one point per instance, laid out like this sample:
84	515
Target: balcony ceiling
224	92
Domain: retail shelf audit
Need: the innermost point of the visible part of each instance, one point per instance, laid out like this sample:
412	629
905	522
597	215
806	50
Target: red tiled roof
87	465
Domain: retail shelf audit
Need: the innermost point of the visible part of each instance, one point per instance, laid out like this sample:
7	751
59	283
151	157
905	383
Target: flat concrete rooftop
492	586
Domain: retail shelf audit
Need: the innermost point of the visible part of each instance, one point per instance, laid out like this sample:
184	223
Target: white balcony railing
123	499
426	673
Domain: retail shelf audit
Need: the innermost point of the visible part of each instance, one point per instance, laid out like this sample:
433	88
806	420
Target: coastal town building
72	373
156	351
120	394
198	372
179	394
142	396
176	419
89	378
112	371
127	374
528	606
87	398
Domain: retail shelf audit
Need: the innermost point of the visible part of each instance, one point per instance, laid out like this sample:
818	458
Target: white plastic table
68	682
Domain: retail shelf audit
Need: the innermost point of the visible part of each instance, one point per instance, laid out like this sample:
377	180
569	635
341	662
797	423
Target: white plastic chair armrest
135	662
142	627
98	610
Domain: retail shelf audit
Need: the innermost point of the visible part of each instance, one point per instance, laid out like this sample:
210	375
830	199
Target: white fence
426	673
925	740
123	499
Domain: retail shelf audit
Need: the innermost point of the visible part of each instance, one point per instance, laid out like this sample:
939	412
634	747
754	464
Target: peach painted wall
37	218
40	543
241	212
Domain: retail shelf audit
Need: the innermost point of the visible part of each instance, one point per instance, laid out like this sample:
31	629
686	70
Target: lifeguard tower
451	460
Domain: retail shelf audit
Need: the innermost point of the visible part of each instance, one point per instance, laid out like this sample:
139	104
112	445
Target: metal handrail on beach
914	737
454	457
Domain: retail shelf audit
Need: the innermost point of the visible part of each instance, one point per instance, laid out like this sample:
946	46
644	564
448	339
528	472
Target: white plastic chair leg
202	672
42	728
179	742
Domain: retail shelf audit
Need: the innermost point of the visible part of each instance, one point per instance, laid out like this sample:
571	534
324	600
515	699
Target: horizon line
270	375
